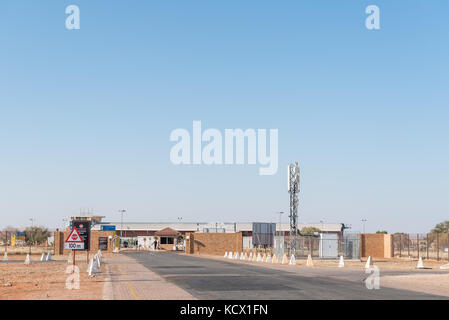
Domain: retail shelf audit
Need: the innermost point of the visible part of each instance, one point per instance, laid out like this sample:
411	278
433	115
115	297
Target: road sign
74	241
83	228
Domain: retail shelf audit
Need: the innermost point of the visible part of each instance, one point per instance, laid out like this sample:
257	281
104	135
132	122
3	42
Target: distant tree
381	232
442	227
180	238
309	230
6	233
36	234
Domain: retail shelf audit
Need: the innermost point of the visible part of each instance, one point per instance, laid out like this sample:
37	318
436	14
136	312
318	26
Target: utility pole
280	213
31	234
293	189
121	226
364	221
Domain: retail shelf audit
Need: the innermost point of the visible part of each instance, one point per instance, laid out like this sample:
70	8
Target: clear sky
86	115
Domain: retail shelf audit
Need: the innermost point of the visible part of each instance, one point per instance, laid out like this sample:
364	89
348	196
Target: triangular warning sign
74	237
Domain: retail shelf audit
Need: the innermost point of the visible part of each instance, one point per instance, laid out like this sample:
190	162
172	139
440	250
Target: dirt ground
46	280
429	283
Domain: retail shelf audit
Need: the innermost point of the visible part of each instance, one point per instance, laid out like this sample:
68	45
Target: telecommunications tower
293	189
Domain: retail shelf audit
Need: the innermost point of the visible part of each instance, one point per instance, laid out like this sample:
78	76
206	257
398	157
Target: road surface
220	279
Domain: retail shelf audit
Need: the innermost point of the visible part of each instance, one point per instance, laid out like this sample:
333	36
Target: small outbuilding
167	238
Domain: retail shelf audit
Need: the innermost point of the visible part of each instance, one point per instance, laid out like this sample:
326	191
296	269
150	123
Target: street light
31	233
121	225
364	221
322	225
280	213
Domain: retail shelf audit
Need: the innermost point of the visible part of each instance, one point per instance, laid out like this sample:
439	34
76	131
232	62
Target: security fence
434	246
324	246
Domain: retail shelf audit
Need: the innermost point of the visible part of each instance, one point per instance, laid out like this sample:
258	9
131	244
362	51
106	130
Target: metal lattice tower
293	189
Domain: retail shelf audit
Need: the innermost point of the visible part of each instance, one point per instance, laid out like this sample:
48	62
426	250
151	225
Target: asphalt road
220	279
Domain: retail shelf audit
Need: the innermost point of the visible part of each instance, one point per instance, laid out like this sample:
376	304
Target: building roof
212	226
167	232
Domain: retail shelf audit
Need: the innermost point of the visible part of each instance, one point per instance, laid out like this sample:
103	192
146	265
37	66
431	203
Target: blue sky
85	115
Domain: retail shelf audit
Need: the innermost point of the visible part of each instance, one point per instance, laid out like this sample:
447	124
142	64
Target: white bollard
292	261
255	257
230	255
268	258
43	257
309	262
369	263
259	258
49	256
284	259
27	259
226	254
420	264
237	257
250	256
341	264
93	268
242	256
5	257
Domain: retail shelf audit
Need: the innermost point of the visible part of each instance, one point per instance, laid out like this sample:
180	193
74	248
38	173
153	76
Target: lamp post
121	225
280	213
31	233
364	221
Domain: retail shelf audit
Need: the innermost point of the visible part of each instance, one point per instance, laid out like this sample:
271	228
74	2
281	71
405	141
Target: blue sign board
107	228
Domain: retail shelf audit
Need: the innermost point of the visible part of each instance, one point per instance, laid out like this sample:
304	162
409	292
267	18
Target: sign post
74	242
83	228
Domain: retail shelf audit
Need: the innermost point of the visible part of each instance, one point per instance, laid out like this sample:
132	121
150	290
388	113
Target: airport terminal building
145	233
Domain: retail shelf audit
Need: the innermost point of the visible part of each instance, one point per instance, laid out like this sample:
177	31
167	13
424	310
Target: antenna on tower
293	189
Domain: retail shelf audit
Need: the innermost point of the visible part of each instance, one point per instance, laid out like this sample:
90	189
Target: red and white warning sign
74	241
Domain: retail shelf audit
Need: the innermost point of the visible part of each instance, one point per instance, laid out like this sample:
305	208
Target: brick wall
189	242
376	245
388	246
168	247
214	243
93	245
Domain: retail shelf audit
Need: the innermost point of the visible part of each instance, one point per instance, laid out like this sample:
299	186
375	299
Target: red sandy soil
46	280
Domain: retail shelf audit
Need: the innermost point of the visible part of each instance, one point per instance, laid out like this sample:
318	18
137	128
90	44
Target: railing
348	246
433	246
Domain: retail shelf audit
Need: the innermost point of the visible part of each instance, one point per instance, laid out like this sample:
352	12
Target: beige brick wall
214	243
388	246
376	245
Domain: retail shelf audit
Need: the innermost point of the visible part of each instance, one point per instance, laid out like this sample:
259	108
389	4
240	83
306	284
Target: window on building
167	240
103	243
